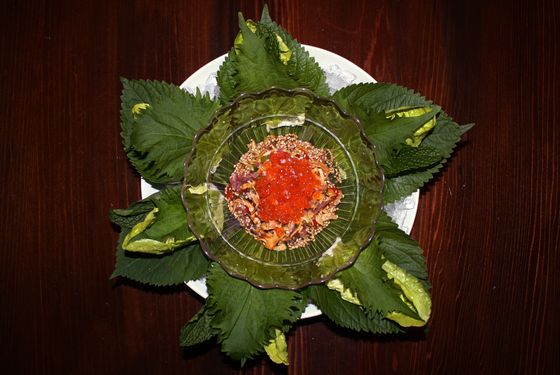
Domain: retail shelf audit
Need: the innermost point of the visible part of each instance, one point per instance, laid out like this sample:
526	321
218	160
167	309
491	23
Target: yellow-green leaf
138	108
284	52
251	25
140	227
148	245
277	348
199	189
345	293
421	132
414	294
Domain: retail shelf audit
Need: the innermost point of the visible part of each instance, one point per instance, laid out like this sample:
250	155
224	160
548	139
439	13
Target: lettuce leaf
349	315
277	348
183	264
163	229
186	262
414	293
367	281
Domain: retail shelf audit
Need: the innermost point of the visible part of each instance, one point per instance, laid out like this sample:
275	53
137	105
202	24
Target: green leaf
419	133
184	264
349	315
245	316
397	247
382	109
363	98
127	218
405	266
410	159
345	293
300	65
198	329
388	280
158	139
368	281
226	79
415	294
443	138
392	133
164	228
251	68
265	56
391	115
137	93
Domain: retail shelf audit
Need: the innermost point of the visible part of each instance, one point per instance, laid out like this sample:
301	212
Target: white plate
340	72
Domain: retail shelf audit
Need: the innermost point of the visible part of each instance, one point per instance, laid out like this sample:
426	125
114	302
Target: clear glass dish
218	147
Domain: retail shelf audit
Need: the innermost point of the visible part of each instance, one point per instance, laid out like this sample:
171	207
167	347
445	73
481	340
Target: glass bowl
218	147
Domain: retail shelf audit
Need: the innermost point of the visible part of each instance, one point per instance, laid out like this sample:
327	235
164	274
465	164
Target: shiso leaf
300	63
128	217
378	97
158	136
354	300
186	262
443	138
283	52
198	329
349	315
226	78
163	229
405	266
397	246
246	317
412	136
264	56
389	113
389	133
137	96
367	281
408	159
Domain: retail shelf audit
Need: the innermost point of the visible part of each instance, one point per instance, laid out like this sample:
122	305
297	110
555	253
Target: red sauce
285	187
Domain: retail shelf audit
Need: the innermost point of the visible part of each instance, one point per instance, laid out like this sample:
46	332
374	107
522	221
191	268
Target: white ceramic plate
339	72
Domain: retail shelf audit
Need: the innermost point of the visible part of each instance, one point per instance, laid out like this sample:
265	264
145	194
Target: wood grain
488	223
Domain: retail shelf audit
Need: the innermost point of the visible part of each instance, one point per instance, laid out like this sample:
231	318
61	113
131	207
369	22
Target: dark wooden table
489	223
